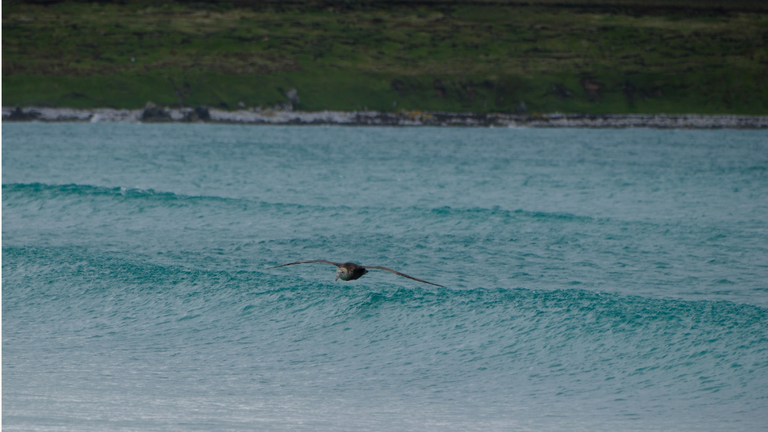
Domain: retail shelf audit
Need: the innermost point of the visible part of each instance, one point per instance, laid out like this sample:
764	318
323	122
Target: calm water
596	279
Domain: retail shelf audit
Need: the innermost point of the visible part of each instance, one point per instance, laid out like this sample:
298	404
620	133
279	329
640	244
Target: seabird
351	271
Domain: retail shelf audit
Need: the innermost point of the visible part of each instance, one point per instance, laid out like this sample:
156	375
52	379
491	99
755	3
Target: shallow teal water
596	279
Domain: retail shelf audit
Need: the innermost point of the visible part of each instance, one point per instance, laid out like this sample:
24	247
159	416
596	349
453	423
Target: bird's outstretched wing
402	274
305	262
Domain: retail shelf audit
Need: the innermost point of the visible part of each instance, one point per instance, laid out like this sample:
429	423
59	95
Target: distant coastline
376	118
436	56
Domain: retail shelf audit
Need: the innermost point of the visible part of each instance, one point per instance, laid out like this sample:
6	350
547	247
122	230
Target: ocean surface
595	280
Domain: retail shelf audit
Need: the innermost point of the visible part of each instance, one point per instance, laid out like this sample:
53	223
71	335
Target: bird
350	271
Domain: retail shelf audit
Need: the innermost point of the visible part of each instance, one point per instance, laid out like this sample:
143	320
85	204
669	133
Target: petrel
351	271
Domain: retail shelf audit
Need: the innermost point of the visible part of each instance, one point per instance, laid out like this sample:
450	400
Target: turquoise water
596	279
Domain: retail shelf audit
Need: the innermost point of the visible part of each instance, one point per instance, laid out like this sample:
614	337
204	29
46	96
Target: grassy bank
589	57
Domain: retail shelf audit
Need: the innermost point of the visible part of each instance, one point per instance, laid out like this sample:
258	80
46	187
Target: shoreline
374	118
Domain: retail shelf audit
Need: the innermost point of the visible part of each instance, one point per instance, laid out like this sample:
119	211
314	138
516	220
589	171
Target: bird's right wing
403	275
305	262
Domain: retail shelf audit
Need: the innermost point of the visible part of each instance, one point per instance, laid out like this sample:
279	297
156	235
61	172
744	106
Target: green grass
451	56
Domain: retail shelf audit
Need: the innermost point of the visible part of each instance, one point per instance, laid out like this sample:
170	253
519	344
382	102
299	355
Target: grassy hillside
569	56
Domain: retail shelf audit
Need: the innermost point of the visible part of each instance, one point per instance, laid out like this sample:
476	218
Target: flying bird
351	271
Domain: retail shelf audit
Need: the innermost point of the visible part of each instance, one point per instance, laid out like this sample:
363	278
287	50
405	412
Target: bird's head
342	273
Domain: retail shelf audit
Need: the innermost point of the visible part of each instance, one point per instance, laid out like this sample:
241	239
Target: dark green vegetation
590	57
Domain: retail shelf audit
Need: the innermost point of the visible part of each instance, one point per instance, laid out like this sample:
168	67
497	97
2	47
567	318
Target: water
596	279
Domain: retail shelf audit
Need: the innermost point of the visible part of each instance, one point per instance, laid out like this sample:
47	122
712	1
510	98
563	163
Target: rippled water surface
595	279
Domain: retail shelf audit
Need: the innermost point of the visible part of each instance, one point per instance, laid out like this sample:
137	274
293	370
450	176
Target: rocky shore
374	118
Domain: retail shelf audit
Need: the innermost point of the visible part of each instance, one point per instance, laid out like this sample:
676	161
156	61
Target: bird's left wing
305	262
402	274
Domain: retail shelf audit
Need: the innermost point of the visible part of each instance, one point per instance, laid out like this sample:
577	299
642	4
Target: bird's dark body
354	271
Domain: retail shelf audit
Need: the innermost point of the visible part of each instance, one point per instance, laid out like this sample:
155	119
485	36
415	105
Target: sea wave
478	340
528	345
45	191
22	192
17	194
79	273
